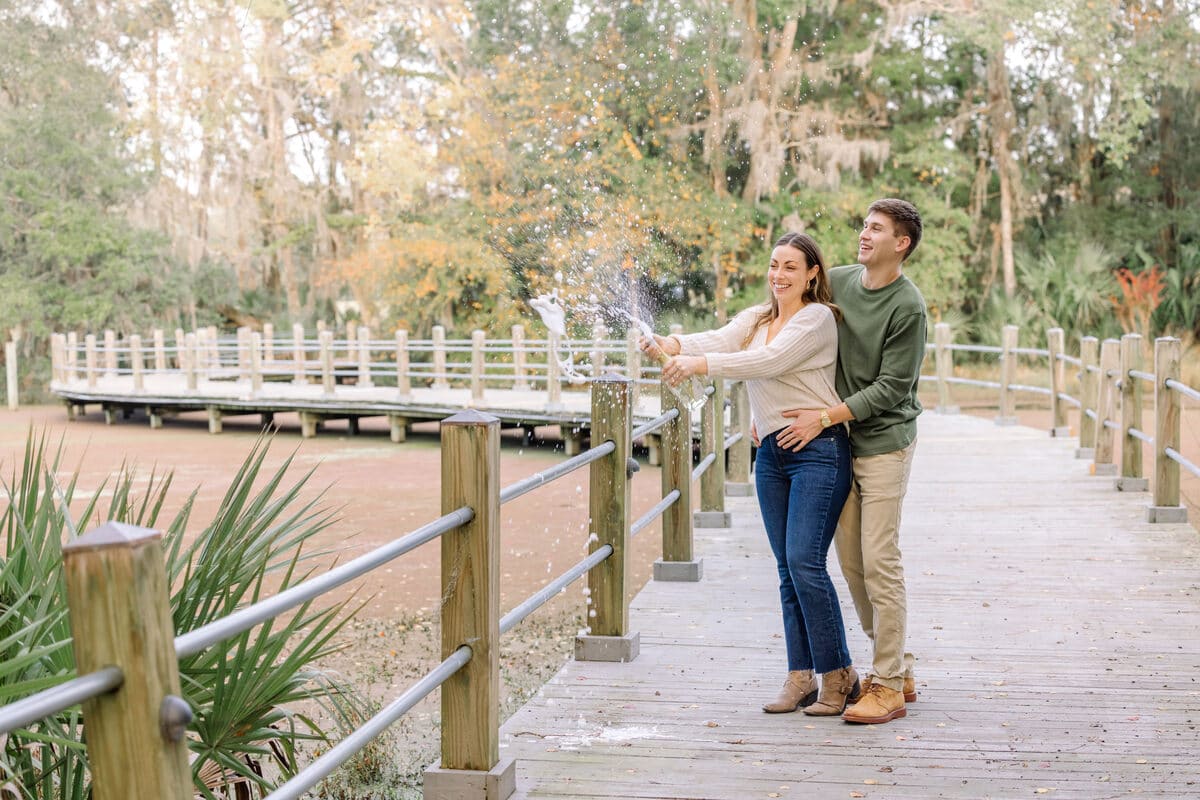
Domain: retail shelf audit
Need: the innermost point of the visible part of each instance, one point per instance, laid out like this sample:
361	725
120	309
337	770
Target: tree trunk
1002	119
1168	247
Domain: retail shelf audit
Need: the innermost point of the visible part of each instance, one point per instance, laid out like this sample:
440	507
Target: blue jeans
801	495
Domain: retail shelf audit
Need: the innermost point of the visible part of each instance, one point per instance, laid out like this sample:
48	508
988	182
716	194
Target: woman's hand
680	368
664	346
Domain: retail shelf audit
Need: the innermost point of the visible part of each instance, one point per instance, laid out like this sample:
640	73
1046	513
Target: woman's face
789	274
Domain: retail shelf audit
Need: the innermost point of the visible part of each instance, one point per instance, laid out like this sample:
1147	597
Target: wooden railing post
268	343
737	482
243	353
189	355
712	513
120	613
256	377
1131	479
470	766
1168	419
179	349
403	381
1056	345
160	352
944	363
364	357
478	342
553	373
1008	375
678	562
607	622
1103	462
110	353
299	357
72	356
327	377
89	344
136	364
520	378
439	358
1089	390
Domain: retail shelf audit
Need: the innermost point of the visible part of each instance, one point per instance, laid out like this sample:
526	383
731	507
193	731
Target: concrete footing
712	519
681	571
608	648
1166	514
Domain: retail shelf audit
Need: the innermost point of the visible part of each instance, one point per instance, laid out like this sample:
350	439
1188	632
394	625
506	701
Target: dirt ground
382	491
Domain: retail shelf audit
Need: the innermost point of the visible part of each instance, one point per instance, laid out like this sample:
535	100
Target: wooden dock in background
1055	632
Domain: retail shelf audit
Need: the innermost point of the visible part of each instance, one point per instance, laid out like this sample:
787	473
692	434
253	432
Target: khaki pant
868	549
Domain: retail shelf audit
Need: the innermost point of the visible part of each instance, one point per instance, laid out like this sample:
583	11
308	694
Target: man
881	342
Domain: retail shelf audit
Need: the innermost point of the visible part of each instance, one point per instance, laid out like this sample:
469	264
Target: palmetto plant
244	691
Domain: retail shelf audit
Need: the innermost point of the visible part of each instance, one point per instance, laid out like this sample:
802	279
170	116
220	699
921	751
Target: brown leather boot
877	705
798	690
837	688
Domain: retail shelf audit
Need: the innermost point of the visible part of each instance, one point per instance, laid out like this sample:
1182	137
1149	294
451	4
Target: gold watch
825	420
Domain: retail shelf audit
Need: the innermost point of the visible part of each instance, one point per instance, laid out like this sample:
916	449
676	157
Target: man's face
878	243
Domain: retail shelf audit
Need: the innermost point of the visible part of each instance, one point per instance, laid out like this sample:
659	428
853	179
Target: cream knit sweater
796	370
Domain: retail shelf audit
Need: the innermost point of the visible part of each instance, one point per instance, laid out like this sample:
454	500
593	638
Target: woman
786	350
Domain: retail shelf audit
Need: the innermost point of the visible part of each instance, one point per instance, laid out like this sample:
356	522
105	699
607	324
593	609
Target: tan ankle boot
799	689
877	705
837	688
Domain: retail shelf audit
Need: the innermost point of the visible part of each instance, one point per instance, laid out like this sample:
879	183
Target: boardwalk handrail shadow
127	654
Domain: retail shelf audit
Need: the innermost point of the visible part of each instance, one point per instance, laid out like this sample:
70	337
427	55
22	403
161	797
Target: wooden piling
944	363
1056	346
1131	479
117	593
1008	375
609	504
1168	419
678	562
1089	389
470	611
1110	361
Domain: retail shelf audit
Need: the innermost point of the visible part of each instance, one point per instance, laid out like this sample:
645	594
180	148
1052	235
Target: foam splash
554	317
553	312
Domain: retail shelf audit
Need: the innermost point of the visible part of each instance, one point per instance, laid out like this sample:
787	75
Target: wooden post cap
471	417
111	534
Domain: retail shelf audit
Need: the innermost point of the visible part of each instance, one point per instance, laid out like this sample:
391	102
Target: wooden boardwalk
1055	633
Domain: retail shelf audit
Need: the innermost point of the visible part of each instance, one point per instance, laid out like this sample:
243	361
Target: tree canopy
443	161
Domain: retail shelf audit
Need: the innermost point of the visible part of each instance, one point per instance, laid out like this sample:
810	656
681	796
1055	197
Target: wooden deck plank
1054	631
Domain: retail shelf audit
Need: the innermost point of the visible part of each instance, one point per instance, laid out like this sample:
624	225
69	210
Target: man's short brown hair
905	218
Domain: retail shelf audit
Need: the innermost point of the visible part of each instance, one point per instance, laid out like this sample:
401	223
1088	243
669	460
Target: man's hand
806	426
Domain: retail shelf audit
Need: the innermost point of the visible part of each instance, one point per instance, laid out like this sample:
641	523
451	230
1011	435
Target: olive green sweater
881	343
